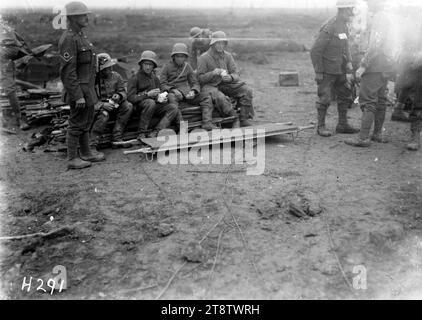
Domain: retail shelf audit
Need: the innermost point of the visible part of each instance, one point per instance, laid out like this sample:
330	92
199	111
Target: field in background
123	33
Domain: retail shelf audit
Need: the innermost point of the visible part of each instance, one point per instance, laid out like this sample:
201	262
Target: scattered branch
52	234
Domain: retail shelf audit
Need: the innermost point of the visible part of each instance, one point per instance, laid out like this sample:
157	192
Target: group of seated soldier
150	95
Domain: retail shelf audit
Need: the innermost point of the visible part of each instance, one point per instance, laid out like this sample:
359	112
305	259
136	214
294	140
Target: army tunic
331	56
331	50
77	72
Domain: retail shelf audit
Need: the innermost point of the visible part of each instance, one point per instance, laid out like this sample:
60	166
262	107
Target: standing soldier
113	95
12	48
217	71
145	94
77	72
376	68
200	44
415	116
333	67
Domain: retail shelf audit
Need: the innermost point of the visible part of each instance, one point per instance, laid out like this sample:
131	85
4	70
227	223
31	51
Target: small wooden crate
288	79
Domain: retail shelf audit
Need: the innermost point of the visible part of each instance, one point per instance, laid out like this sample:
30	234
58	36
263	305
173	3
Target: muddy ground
131	221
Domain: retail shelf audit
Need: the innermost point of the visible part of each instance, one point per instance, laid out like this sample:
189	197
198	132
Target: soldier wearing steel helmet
77	72
113	103
200	44
217	71
145	94
332	61
179	79
376	68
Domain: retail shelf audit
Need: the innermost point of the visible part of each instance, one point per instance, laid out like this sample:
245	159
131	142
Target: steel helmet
180	48
105	61
195	31
76	8
148	56
218	36
206	33
346	3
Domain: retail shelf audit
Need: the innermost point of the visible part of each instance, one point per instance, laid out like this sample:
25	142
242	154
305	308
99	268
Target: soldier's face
105	73
220	46
81	20
147	67
179	59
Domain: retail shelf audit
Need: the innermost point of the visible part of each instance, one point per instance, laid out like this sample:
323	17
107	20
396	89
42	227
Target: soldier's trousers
80	119
12	116
168	112
373	93
243	94
416	115
334	84
405	83
203	100
122	115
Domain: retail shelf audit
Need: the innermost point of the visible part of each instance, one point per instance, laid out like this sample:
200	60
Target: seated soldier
218	71
179	80
145	94
112	102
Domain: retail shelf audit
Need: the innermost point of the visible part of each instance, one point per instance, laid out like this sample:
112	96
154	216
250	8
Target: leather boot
236	122
86	153
343	126
377	135
415	141
244	121
73	160
321	129
398	113
207	123
362	140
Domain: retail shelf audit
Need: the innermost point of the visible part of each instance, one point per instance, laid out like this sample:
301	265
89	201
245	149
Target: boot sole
357	144
77	168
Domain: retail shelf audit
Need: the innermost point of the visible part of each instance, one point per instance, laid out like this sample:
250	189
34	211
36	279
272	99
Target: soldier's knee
369	107
149	103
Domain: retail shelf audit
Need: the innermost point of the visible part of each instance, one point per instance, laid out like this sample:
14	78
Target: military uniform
331	56
138	87
237	89
11	49
78	72
184	79
199	46
107	87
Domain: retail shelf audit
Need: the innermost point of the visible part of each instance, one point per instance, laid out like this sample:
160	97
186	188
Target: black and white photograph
222	151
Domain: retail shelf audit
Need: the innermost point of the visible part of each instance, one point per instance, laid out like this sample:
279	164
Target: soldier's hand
190	95
80	103
319	76
153	93
217	71
349	80
115	97
107	106
359	73
178	94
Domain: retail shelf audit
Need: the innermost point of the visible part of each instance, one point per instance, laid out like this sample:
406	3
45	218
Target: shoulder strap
180	74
